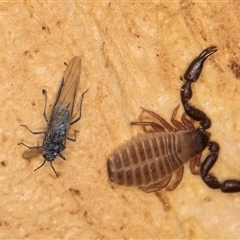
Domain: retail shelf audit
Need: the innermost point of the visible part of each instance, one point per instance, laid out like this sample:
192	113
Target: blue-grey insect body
54	141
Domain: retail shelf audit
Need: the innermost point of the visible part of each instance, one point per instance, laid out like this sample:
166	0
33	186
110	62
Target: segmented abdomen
147	159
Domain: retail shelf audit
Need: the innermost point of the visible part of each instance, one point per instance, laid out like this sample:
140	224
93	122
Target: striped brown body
150	158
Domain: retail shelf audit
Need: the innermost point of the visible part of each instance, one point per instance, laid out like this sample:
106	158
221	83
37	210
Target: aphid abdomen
55	137
147	159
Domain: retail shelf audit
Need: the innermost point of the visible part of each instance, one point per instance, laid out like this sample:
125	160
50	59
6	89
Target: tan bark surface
133	54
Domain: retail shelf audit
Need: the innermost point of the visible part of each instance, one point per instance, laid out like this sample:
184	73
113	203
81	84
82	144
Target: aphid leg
229	185
75	136
191	75
31	130
33	147
44	92
155	126
78	118
176	123
179	175
157	186
164	123
80	112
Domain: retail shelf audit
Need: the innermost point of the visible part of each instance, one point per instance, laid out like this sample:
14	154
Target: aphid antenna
40	165
51	166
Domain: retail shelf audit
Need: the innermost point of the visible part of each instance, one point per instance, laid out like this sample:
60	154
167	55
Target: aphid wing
32	153
69	86
63	107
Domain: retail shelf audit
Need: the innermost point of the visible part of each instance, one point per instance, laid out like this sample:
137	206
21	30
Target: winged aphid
54	141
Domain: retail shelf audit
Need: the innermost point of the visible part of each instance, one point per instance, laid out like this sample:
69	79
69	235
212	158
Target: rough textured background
132	55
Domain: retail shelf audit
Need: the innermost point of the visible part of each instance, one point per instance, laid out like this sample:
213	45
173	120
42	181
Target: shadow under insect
55	137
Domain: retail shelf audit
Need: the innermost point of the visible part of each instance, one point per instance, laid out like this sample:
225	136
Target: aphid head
49	155
201	140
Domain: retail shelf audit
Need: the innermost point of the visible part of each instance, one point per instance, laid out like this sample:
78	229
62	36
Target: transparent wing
32	153
64	104
69	86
